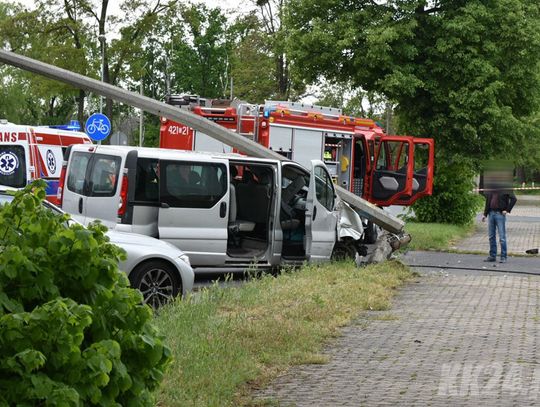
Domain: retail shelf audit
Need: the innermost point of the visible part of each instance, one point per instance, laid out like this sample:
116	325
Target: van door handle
80	204
314	212
222	210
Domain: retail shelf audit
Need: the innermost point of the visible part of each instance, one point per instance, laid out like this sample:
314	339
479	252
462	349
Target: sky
114	4
234	6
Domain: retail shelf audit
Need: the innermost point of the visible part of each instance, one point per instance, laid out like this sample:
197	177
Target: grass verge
435	236
225	341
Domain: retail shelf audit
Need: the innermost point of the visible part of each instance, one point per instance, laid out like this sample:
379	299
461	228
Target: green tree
73	34
38	34
252	65
463	72
72	332
288	83
187	51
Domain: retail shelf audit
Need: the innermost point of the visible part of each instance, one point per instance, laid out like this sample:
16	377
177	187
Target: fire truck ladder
247	120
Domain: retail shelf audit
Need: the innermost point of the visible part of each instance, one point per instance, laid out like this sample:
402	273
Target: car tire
158	282
344	250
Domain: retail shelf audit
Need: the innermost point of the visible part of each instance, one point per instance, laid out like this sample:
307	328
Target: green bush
72	332
453	200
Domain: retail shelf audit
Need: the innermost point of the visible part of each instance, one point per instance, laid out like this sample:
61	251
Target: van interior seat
237	225
253	199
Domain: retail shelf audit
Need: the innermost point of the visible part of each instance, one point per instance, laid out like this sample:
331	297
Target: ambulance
32	152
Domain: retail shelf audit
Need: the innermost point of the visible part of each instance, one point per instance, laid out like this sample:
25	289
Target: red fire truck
383	169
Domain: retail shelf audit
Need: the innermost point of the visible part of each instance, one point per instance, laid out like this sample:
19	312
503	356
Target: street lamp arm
199	123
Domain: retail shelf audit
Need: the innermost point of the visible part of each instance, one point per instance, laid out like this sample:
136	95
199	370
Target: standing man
498	204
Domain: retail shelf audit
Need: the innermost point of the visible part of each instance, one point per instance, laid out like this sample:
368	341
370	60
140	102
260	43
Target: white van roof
167	153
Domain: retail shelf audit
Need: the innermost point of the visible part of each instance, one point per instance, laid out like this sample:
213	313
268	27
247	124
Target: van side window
146	180
77	172
192	185
324	189
105	174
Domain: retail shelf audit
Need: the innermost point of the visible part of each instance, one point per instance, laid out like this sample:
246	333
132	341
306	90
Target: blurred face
498	175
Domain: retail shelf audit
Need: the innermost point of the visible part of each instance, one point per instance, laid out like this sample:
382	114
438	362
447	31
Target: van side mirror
164	205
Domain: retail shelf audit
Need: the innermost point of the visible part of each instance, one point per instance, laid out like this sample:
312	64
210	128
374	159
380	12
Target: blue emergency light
268	110
73	125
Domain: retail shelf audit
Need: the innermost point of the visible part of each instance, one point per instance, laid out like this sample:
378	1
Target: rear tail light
61	182
122	205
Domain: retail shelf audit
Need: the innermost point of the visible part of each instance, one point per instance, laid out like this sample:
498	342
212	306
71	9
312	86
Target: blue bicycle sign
98	126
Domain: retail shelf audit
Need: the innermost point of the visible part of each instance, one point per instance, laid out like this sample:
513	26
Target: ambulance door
424	159
75	188
50	166
392	175
321	218
194	210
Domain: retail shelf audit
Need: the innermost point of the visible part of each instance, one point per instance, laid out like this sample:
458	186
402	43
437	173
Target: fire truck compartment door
424	158
392	176
321	218
203	142
194	210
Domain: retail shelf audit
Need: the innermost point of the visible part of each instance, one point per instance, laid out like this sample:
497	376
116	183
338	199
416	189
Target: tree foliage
71	330
463	72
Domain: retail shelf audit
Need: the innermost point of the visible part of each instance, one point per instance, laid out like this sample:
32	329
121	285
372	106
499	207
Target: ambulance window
12	166
146	180
77	172
104	177
192	185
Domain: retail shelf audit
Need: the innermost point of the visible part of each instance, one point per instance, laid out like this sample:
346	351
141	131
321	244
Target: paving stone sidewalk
462	337
522	229
448	340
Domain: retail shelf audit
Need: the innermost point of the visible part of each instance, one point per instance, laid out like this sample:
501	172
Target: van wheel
344	250
158	282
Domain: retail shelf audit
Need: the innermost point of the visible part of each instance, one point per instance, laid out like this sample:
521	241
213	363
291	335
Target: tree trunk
51	108
80	107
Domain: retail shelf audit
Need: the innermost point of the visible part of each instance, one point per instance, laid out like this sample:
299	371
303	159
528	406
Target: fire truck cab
383	169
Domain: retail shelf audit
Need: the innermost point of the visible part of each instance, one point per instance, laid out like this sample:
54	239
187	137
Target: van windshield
12	166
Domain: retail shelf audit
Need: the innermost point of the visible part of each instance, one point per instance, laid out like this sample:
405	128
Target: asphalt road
467	264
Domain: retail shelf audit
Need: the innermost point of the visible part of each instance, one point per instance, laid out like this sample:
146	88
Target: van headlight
185	259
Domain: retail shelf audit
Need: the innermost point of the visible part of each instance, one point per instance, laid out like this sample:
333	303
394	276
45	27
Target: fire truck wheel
158	282
371	233
344	250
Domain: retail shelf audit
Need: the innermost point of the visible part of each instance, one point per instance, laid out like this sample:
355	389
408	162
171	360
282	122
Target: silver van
223	210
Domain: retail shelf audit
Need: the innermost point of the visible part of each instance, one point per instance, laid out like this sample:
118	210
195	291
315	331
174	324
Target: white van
222	210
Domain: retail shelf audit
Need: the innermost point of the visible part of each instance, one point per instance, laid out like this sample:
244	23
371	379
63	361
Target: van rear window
77	172
105	174
147	181
12	166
